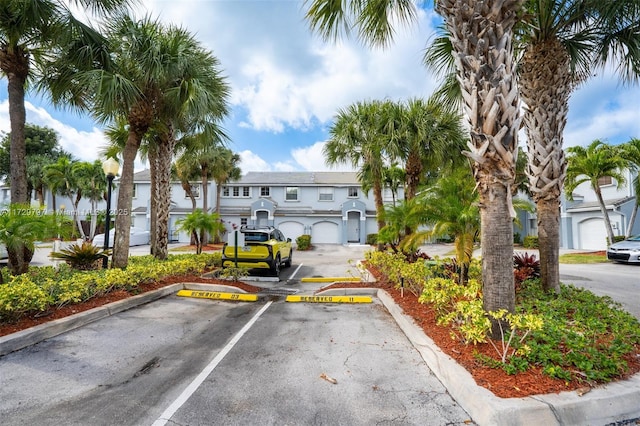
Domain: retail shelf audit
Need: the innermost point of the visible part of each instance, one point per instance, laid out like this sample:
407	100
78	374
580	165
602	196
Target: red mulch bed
531	382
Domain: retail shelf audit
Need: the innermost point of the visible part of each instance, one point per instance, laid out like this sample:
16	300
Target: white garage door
325	233
592	234
291	229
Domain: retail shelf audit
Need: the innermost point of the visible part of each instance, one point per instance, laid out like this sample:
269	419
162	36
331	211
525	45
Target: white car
627	251
137	237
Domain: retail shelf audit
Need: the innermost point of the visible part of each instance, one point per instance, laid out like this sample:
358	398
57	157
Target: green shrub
21	296
372	239
84	257
530	241
517	238
617	239
303	242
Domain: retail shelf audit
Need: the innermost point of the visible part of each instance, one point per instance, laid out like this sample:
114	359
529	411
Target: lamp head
110	167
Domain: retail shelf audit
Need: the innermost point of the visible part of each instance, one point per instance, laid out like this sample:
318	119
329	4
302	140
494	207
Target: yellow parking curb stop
329	299
218	295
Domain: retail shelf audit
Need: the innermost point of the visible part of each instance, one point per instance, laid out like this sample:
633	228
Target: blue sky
287	84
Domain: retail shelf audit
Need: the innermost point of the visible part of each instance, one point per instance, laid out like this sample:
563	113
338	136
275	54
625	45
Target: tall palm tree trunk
481	35
377	199
152	156
545	86
125	194
605	214
163	193
15	65
548	212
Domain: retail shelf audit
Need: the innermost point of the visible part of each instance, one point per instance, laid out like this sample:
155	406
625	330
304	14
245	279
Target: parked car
627	251
264	248
137	237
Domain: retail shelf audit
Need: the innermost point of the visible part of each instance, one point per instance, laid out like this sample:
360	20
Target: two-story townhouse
329	206
582	222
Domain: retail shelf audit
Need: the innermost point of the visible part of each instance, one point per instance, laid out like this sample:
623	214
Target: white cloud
311	158
250	162
81	144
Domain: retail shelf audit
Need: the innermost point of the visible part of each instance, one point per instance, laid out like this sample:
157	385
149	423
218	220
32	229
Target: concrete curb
348	292
33	335
607	404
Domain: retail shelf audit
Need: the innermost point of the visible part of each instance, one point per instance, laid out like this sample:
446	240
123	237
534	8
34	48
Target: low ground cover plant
46	287
573	335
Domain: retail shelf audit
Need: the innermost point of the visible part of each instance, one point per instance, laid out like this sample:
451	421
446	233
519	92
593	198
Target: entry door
262	218
353	227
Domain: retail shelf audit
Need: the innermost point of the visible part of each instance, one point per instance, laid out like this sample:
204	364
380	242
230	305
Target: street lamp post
110	167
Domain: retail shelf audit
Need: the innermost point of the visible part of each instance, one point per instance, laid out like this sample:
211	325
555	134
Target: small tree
200	224
20	227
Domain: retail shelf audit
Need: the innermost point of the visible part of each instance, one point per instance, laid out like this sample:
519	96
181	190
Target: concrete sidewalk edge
607	404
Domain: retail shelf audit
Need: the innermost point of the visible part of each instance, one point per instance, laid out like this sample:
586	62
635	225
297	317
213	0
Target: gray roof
299	178
594	205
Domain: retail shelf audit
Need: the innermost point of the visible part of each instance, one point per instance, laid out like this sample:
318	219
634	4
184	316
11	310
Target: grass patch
578	258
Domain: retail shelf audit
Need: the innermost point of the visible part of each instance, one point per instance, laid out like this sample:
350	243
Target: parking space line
195	384
296	271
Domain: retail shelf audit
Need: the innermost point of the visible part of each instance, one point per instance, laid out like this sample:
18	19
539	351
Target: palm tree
481	36
450	207
563	43
428	134
200	223
357	136
195	102
92	183
34	34
596	161
631	153
165	82
61	179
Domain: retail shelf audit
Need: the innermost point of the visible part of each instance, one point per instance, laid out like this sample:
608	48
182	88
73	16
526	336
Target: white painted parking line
195	384
296	271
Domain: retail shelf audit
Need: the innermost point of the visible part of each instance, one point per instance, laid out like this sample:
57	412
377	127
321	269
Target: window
243	221
325	194
135	190
236	191
265	191
353	192
605	180
291	193
195	191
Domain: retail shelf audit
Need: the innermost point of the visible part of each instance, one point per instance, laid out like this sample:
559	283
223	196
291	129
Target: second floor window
265	191
236	191
605	180
325	194
353	192
195	191
135	191
291	193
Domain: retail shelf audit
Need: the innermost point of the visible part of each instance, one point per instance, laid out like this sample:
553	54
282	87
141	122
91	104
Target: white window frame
325	193
292	188
225	191
353	189
135	191
236	191
265	191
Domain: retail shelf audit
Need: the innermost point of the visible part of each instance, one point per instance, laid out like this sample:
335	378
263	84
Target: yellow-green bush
48	286
21	296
